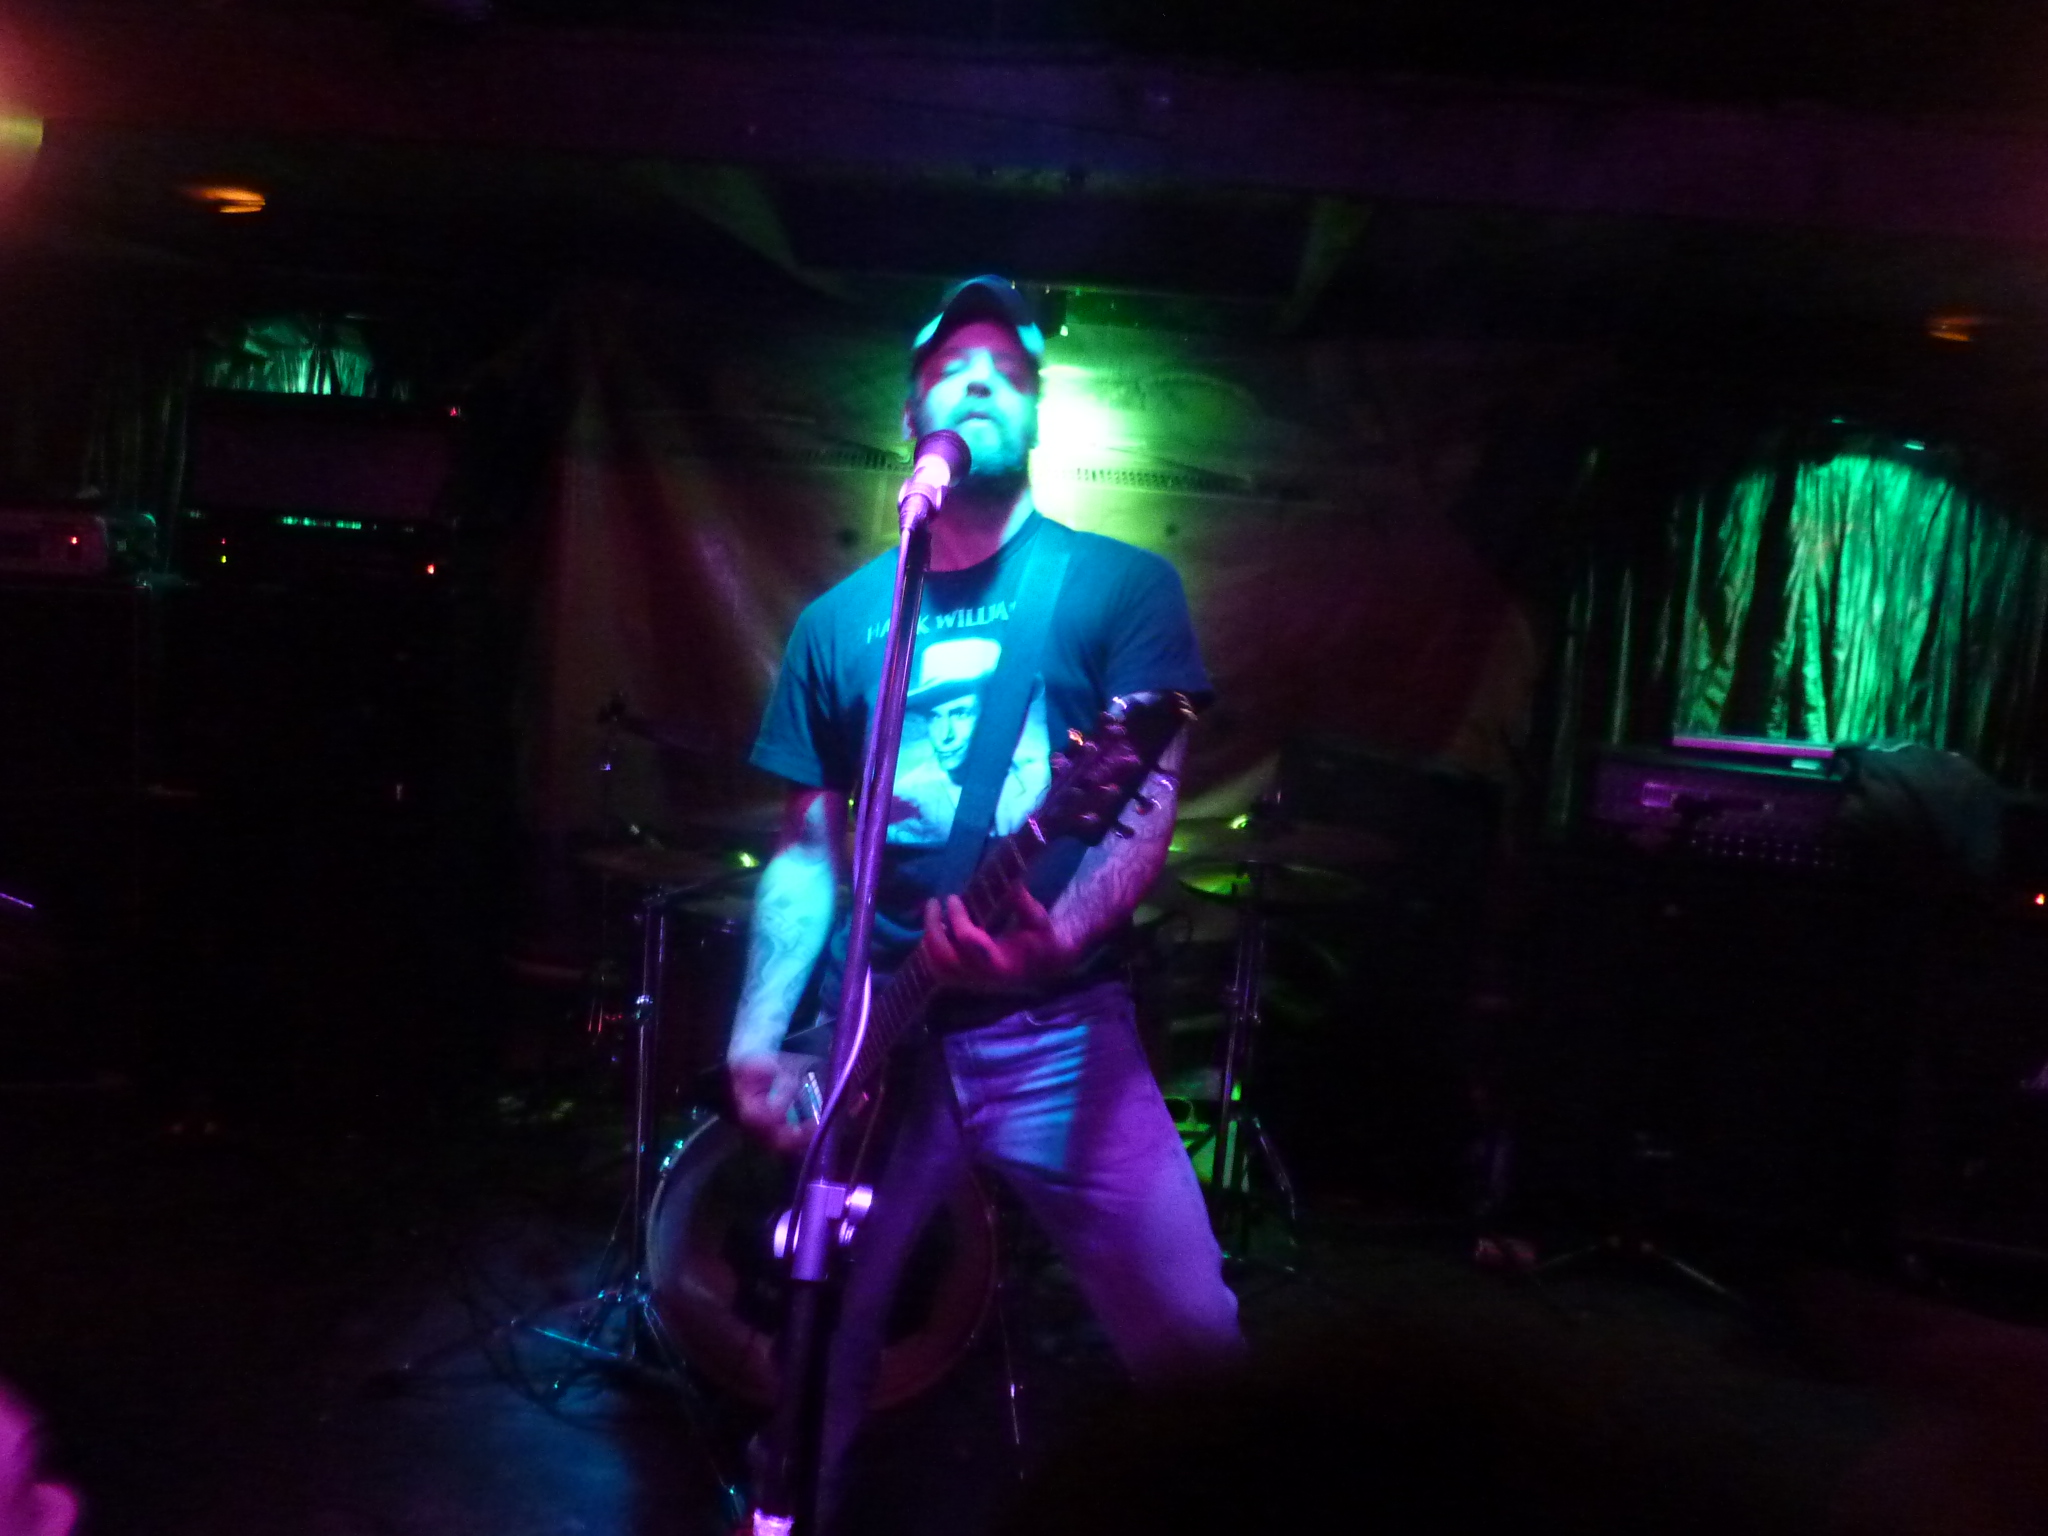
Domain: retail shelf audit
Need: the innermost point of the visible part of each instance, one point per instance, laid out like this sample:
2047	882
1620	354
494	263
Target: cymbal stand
609	719
1237	1118
623	1304
615	1325
1632	1241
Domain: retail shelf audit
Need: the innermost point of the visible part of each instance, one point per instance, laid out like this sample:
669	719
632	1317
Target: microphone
940	460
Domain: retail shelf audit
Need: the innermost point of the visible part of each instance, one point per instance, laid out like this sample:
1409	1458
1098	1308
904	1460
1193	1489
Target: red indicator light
2041	898
430	570
74	538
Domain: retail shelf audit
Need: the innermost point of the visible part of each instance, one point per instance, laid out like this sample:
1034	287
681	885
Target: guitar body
719	1291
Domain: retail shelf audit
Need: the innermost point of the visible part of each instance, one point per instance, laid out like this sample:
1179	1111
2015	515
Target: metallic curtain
1859	597
293	355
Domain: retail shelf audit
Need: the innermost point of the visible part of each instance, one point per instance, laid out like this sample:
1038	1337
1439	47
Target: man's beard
1004	461
995	485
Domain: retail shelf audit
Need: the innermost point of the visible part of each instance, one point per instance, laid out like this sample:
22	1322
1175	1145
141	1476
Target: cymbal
1169	916
758	823
669	735
1198	1085
1280	885
1322	844
657	866
729	911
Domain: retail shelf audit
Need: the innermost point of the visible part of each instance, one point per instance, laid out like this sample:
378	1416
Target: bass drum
718	1289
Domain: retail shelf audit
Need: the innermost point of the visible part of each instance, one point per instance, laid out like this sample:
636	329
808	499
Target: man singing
1033	1066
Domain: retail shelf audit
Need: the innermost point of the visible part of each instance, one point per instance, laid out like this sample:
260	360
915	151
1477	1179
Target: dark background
563	362
600	308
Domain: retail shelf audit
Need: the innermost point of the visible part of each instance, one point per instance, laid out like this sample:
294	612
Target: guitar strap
1004	701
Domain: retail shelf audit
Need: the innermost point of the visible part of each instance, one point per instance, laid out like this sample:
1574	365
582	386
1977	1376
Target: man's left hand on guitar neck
1027	953
1037	946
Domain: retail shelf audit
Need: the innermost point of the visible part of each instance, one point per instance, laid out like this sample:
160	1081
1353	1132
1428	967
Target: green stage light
21	136
1078	428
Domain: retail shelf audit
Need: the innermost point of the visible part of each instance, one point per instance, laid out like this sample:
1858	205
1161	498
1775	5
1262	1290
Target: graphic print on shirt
943	711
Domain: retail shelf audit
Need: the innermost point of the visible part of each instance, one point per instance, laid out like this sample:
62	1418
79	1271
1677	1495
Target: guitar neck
905	996
1105	771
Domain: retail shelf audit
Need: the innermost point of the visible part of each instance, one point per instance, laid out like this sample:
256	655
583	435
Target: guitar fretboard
906	994
1106	769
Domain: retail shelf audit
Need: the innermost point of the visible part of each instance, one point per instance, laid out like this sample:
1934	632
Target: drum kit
1261	866
689	1279
692	1267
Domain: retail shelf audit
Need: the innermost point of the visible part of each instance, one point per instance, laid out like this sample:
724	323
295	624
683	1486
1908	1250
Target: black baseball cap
987	297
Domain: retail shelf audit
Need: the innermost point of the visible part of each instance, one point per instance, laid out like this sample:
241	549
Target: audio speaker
1727	1042
73	699
1974	1167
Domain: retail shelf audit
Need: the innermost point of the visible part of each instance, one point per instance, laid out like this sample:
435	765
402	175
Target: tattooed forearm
793	908
1116	873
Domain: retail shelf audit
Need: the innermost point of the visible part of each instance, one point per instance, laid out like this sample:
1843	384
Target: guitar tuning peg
1123	831
1145	804
1075	738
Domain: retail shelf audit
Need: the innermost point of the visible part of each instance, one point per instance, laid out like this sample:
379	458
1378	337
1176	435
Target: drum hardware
632	852
1262	839
1191	1098
680	1301
617	1324
749	826
705	891
1237	1119
682	1272
1631	1241
680	870
1635	1248
688	1278
669	736
1197	1024
1259	864
706	954
716	1286
726	913
1256	883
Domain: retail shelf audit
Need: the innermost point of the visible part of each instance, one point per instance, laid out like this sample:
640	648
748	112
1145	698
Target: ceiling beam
878	109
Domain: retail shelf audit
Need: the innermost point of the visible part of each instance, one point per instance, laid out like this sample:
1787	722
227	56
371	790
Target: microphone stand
827	1210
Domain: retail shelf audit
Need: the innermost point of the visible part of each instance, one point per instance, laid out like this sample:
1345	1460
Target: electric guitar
1092	782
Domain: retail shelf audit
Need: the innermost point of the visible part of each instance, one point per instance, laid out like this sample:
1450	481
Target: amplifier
331	458
245	549
60	542
1975	1136
1756	810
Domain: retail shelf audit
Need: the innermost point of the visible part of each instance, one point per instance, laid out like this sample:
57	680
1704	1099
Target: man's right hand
793	904
764	1087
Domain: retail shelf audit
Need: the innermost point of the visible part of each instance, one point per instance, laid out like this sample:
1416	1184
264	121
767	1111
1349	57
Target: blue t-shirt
1120	626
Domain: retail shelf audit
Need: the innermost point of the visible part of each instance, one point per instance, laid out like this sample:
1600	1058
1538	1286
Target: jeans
1059	1101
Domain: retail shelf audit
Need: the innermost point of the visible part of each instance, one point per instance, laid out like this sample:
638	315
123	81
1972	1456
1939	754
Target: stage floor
209	1323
